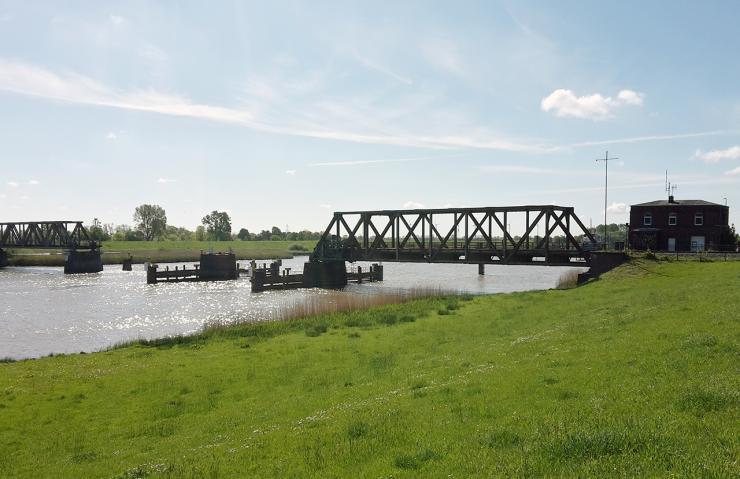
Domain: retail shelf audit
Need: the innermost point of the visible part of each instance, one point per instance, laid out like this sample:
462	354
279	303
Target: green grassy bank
634	375
170	251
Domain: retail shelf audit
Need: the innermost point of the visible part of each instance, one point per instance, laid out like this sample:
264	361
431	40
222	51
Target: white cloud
518	169
412	205
111	136
732	153
368	162
3	196
734	172
564	103
24	197
71	87
640	139
166	180
33	182
617	208
117	19
325	206
367	63
290	172
12	184
630	97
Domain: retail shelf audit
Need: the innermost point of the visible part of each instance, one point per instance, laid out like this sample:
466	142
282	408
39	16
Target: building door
697	243
671	244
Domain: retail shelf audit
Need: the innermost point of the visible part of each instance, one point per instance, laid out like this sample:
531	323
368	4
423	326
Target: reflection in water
43	311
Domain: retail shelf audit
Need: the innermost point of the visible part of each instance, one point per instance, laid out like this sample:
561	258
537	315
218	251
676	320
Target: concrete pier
481	269
218	266
128	263
328	274
212	267
79	262
324	274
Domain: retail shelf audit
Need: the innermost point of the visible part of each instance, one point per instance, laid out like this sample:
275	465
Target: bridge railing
479	235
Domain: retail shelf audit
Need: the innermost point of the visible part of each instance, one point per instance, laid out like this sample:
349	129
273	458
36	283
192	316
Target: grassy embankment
169	251
634	375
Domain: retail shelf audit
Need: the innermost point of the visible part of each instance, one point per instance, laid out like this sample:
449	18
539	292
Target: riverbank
631	375
114	252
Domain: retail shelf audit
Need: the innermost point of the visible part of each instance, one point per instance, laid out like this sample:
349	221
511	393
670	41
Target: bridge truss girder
45	234
414	236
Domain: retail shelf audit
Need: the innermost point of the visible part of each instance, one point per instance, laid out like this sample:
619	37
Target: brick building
672	225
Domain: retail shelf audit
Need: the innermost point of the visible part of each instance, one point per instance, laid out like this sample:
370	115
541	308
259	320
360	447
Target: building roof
679	203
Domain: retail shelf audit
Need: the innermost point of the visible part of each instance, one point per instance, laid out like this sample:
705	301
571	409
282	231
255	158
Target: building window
647	220
699	219
672	219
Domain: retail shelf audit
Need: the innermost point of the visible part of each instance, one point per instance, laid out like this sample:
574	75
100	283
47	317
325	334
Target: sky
282	112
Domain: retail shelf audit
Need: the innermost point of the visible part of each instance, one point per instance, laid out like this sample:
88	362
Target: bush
297	247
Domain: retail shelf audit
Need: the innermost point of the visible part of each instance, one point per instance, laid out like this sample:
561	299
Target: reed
568	280
334	302
315	314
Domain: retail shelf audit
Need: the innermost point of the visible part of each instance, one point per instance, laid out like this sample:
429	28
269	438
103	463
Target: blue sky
281	113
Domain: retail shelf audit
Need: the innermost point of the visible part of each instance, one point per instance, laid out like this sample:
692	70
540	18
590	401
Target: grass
633	375
114	252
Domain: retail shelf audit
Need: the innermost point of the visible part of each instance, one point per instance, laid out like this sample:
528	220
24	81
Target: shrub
297	247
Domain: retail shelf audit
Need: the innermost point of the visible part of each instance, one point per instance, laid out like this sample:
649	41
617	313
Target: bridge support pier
3	259
218	266
325	274
83	262
481	269
601	262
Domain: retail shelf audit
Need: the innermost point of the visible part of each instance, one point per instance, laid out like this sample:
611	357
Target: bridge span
448	235
83	253
459	235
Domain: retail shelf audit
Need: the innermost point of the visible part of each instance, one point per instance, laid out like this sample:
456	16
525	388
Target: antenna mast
606	161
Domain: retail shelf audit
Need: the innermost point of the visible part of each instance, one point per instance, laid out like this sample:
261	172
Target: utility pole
606	161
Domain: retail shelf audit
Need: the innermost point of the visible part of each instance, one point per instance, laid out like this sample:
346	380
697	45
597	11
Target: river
44	311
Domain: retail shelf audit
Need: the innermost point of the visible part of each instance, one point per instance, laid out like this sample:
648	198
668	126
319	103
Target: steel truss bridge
46	234
473	235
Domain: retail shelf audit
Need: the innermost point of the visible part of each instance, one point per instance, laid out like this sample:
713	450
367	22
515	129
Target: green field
170	251
633	375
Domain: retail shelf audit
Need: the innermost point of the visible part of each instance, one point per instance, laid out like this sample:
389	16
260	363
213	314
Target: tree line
150	224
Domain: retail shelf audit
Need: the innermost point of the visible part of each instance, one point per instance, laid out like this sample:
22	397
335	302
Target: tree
218	225
151	220
728	236
243	234
178	234
98	232
200	233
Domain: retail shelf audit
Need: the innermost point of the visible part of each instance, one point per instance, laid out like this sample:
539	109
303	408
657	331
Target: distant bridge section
46	234
459	235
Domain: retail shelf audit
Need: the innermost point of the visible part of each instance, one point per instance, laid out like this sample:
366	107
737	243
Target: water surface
44	311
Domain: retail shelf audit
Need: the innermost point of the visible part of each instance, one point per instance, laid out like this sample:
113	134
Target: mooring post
128	263
258	280
359	274
151	273
481	269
